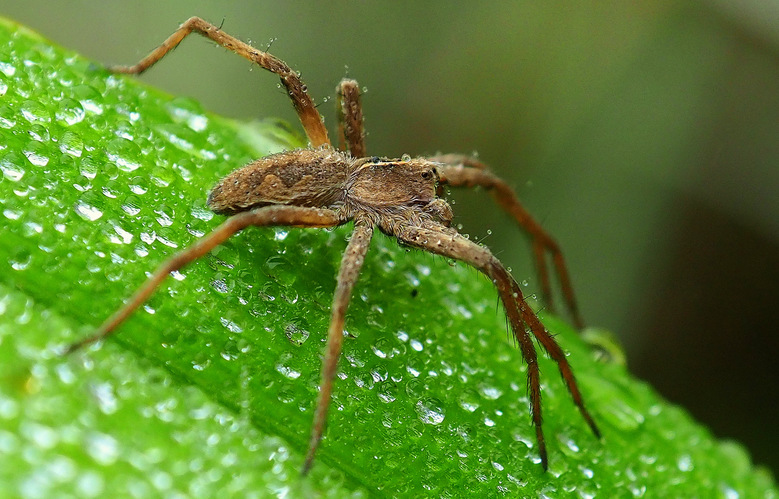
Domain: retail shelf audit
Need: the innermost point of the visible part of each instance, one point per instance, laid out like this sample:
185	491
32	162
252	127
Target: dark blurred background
644	135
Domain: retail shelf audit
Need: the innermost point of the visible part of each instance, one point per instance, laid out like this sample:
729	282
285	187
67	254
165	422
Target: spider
321	187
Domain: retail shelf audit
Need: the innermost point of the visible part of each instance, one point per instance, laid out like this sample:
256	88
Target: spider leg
351	134
464	171
304	106
447	242
269	215
351	263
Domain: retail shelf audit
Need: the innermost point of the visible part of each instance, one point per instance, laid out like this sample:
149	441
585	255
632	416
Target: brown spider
324	187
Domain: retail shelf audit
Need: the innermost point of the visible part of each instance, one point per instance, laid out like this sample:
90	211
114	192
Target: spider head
385	183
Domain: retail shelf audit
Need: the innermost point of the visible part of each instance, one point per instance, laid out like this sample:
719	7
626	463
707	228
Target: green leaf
210	388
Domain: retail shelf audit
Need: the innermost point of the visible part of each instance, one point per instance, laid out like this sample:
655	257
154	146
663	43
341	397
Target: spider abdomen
304	177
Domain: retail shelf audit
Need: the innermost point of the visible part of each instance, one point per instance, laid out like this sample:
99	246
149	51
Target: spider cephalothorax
324	187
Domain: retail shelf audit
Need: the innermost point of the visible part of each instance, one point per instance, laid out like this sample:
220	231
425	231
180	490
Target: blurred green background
644	136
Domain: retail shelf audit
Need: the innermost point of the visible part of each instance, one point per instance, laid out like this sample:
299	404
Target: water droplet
36	152
7	68
202	213
89	98
10	167
178	136
89	168
90	484
71	143
201	362
35	111
87	211
405	157
469	400
230	350
20	260
623	415
165	215
124	153
383	348
283	367
139	185
569	446
103	448
105	396
7	117
132	205
684	463
489	392
387	392
295	334
40	435
70	112
430	411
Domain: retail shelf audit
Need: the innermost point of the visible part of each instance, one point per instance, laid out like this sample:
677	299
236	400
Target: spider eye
427	175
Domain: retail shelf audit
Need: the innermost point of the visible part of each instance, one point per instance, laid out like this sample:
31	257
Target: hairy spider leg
296	89
294	216
447	242
351	263
351	134
464	171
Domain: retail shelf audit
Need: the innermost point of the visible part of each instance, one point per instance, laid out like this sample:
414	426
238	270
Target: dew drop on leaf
430	411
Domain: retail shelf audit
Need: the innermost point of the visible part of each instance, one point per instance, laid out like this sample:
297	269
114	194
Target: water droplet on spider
69	112
430	411
405	157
